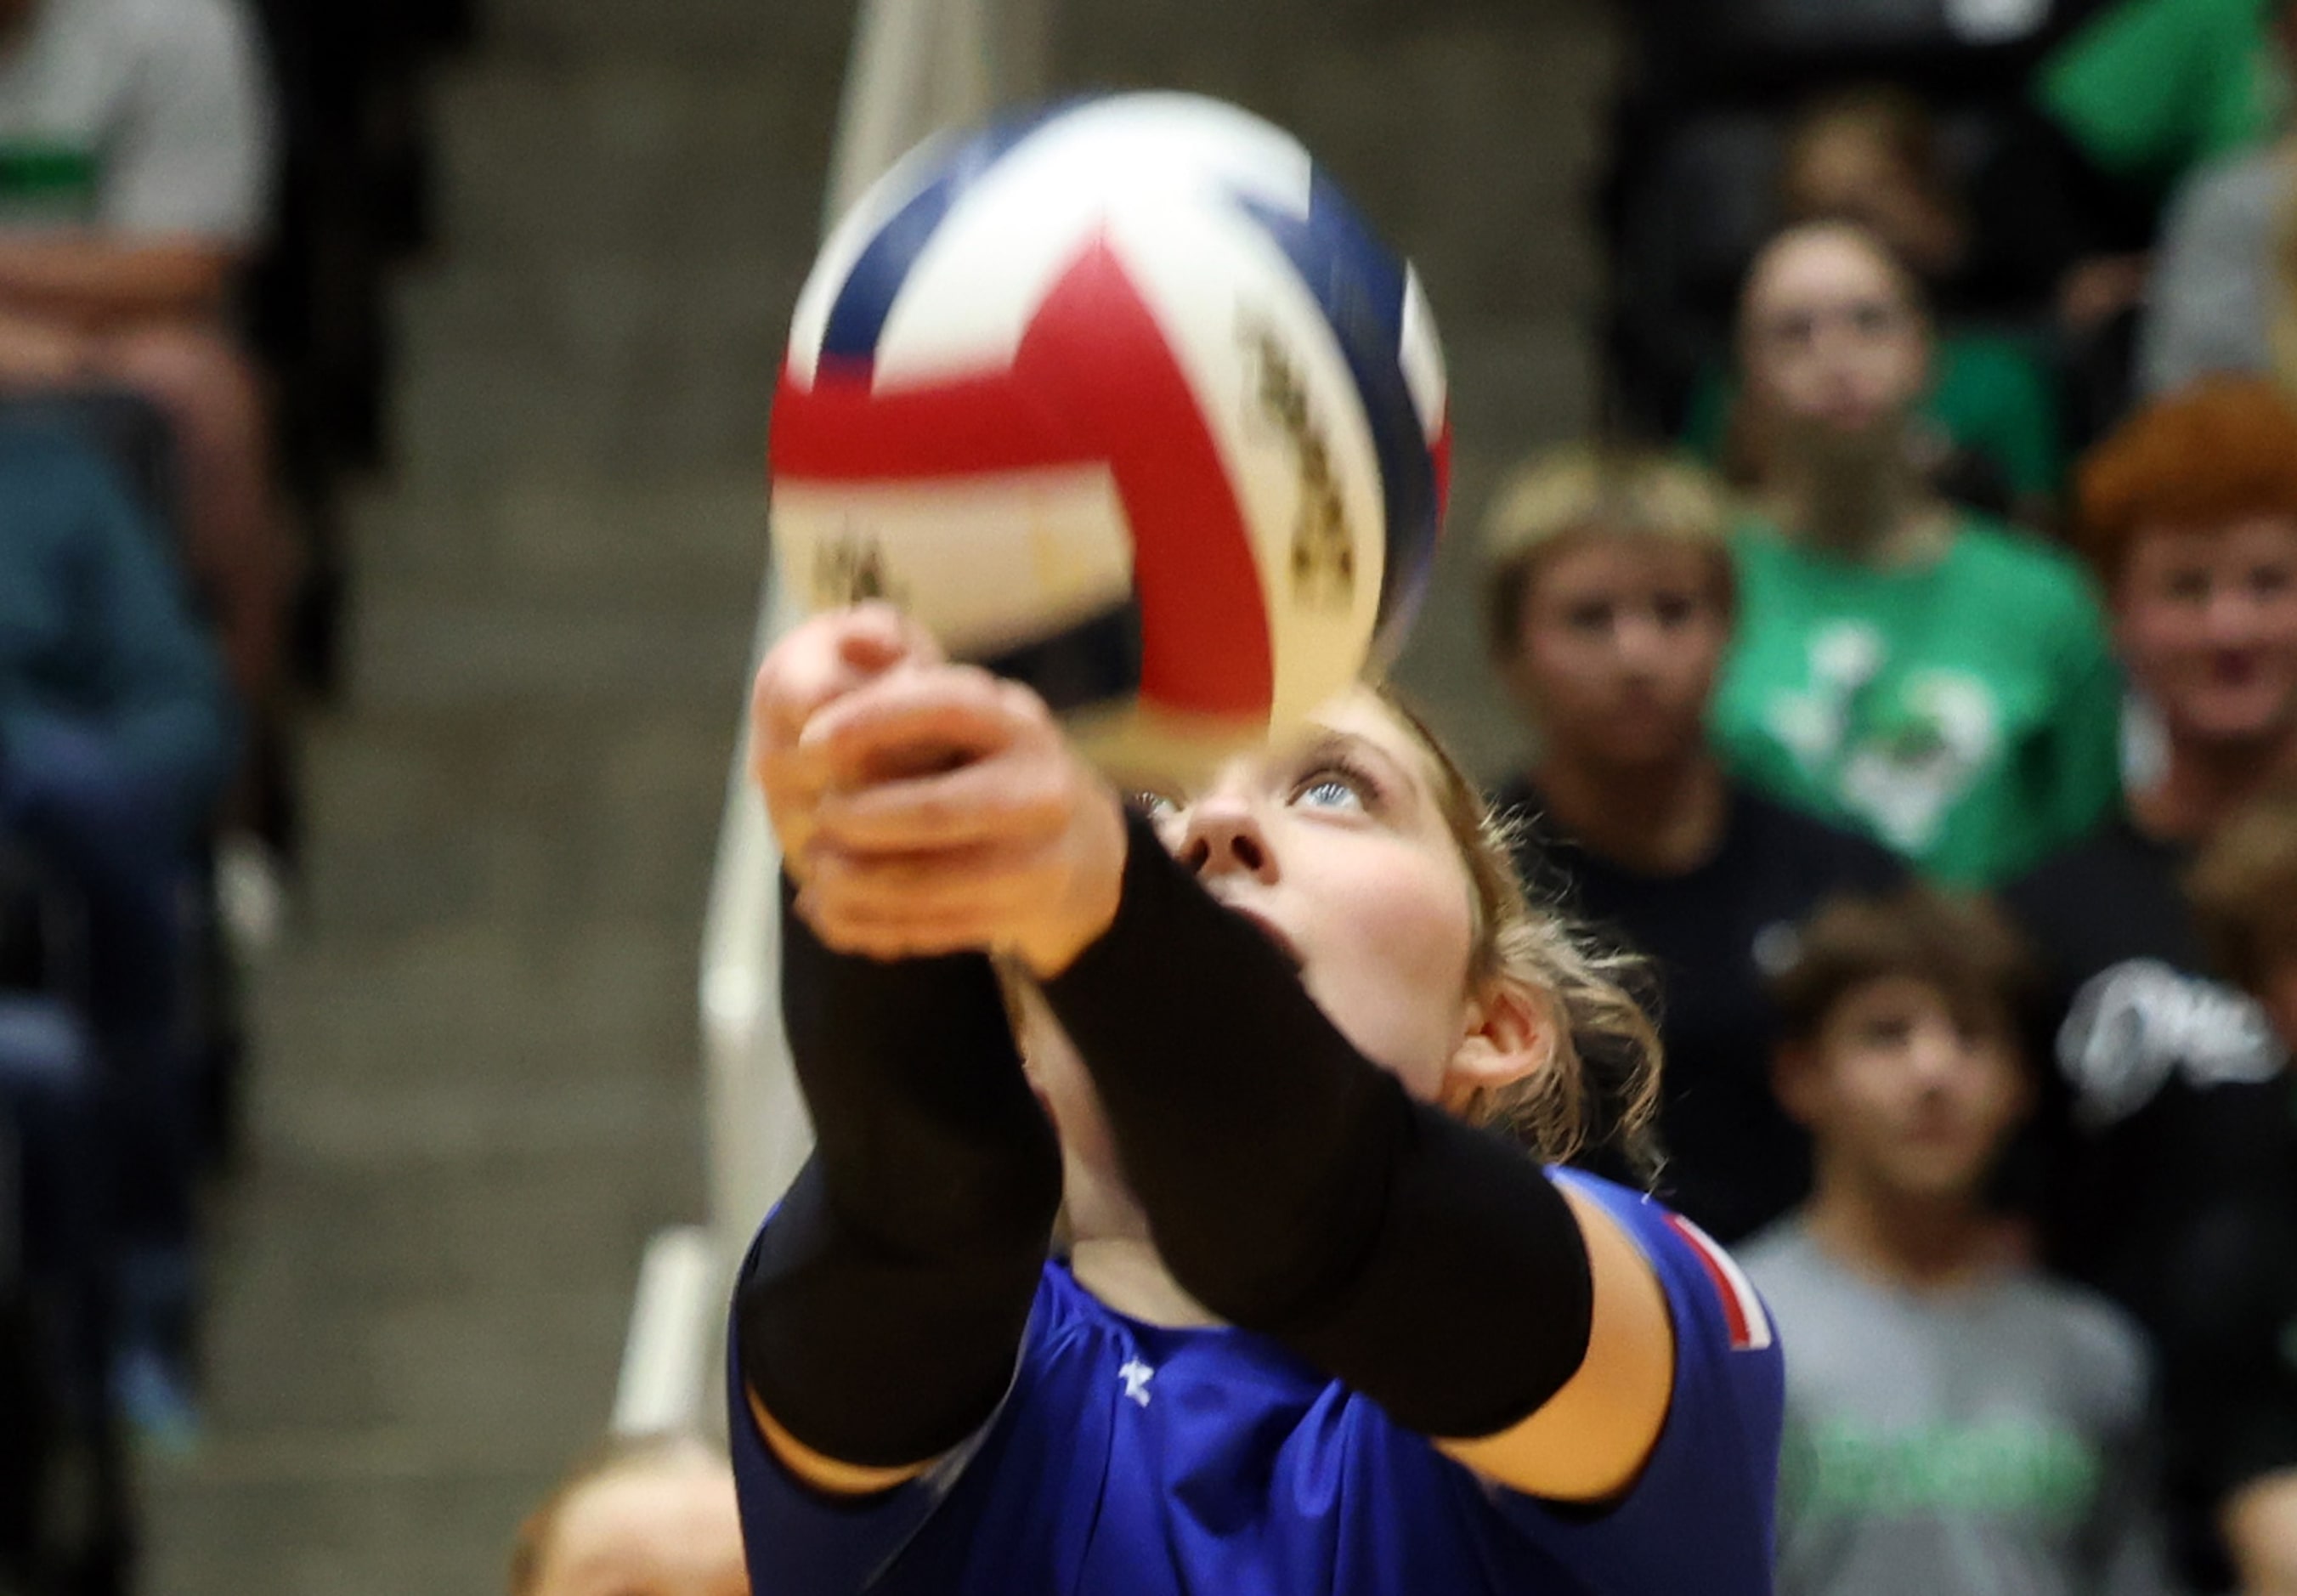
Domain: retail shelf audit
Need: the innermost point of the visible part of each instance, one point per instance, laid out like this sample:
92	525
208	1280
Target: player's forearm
882	1312
910	1071
1293	1188
99	283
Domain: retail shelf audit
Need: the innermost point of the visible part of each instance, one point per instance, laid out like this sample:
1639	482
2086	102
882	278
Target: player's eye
1152	805
1335	785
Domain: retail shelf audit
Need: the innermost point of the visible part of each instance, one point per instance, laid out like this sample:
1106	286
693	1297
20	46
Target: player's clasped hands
926	807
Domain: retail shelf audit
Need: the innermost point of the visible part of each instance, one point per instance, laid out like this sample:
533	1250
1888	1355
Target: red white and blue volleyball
1124	399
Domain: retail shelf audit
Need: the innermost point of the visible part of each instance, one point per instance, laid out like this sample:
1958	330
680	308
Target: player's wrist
1099	840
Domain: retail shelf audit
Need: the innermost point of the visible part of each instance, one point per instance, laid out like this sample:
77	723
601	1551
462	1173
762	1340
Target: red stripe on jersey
1441	448
1742	1311
1204	619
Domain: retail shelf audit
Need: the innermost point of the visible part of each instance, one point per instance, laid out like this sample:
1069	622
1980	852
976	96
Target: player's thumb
875	638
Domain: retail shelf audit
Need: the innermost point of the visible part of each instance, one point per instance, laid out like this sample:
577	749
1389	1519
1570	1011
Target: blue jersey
1132	1460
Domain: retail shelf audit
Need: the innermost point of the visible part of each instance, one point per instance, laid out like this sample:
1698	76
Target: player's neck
1920	1244
1663	818
2205	782
1111	1254
1126	1273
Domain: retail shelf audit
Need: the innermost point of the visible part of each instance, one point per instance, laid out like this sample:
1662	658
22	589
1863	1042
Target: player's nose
1223	834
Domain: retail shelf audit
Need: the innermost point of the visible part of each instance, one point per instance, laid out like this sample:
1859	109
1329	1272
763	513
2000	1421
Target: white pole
916	66
666	1361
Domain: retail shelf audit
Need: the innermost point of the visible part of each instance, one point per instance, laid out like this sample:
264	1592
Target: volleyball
1124	399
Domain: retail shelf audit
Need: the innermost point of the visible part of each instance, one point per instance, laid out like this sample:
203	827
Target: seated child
1955	1420
649	1515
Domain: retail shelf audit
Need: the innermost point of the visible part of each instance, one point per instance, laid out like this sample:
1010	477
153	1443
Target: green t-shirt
1965	712
1990	396
2152	88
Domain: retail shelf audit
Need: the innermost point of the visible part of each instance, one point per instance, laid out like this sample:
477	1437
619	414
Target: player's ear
1510	1034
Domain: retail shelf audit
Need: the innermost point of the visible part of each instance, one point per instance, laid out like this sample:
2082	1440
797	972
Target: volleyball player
1312	1330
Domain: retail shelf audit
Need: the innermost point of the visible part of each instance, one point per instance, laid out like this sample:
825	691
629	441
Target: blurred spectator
2245	892
2146	93
115	742
2172	1151
2244	888
1919	672
1955	1420
2224	294
1874	157
136	163
2150	89
1609	595
653	1516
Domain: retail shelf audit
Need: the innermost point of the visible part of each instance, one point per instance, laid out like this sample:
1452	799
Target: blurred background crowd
200	203
1874	583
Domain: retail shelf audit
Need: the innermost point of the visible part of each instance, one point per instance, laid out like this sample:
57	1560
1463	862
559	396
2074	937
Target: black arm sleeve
1293	1186
882	1310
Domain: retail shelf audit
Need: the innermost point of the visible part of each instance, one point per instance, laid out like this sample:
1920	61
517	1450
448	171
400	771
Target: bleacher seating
353	202
1707	51
66	1523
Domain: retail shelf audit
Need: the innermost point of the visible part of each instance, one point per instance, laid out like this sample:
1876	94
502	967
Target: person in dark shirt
1610	596
2170	1139
2243	889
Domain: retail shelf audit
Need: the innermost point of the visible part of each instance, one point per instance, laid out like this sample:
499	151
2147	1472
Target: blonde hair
616	1455
1600	1087
1592	491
